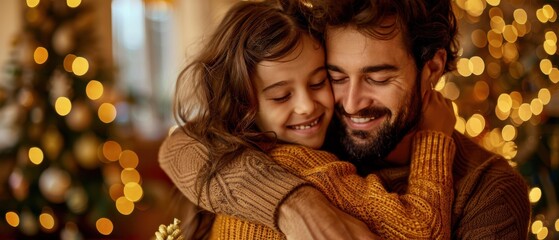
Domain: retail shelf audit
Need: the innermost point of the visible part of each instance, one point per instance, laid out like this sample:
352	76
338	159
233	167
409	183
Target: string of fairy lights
118	165
513	42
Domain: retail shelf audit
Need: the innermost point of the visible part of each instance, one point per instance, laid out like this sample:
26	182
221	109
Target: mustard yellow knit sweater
423	212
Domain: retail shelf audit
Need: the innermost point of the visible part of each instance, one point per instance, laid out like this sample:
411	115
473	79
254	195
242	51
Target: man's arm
498	207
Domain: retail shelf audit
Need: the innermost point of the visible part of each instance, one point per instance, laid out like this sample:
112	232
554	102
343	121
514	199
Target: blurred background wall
86	91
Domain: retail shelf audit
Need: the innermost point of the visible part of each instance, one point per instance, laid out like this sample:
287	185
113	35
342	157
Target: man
382	56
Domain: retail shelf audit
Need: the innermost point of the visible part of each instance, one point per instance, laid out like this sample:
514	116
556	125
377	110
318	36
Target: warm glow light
497	24
508	133
68	61
504	102
536	106
554	75
46	220
478	65
481	91
543	233
550	47
133	191
104	226
541	16
493	2
463	67
107	112
535	194
475	125
73	3
510	33
516	99
544	95
111	150
500	114
520	16
474	7
524	112
40	55
479	38
494	69
128	159
557	225
94	90
80	66
32	3
510	52
551	36
124	206
537	226
451	91
116	190
548	11
129	175
63	106
12	219
460	125
36	155
495	39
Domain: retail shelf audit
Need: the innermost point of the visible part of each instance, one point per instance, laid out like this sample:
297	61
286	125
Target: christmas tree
69	177
505	92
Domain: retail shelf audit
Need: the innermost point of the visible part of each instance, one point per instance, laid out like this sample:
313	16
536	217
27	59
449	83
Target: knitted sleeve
422	213
249	188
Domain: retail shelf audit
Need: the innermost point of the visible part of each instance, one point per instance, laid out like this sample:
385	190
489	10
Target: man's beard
375	145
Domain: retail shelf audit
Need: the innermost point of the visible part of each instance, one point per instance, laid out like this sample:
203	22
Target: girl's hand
437	113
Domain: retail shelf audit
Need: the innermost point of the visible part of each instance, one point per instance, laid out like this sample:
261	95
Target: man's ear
433	70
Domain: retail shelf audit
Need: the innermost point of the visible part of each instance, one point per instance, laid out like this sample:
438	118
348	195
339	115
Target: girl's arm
423	212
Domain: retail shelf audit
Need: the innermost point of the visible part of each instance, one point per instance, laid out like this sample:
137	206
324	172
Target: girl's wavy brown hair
215	100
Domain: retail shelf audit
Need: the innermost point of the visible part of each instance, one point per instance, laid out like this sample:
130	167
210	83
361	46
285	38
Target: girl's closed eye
281	99
319	85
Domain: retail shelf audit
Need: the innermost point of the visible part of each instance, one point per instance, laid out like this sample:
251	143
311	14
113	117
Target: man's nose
354	98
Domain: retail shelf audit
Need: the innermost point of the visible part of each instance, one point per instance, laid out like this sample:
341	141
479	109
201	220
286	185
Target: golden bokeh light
516	99
494	38
554	75
497	24
80	66
94	89
478	38
543	233
129	175
493	2
504	102
510	34
548	11
133	191
107	112
551	36
104	226
451	91
496	52
36	155
12	219
550	47
508	133
475	125
474	7
536	226
73	3
460	125
557	225
524	112
535	194
32	3
510	52
516	69
541	16
477	64
46	220
520	16
463	67
481	91
116	190
111	150
536	106
544	95
494	69
124	206
502	115
128	159
63	106
40	55
68	61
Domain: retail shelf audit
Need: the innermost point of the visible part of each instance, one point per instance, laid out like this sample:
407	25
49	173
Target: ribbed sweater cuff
433	153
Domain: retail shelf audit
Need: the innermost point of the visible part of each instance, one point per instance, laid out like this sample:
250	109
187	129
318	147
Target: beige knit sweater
490	197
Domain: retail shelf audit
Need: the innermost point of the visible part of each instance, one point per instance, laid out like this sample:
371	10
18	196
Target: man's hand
307	214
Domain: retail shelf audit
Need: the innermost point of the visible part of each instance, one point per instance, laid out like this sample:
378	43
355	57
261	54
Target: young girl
260	80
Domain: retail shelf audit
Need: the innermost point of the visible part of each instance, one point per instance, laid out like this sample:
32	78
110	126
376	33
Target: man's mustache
365	112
